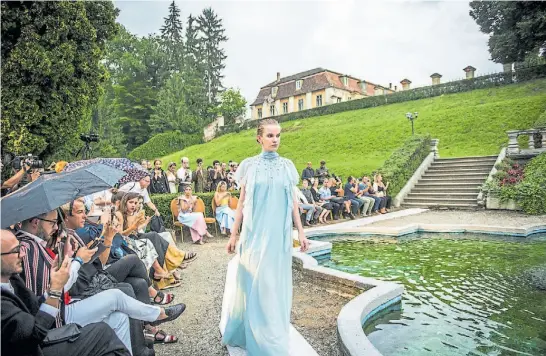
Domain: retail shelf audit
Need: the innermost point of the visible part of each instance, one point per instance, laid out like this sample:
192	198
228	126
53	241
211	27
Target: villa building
310	89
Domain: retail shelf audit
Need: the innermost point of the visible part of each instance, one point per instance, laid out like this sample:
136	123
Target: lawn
359	141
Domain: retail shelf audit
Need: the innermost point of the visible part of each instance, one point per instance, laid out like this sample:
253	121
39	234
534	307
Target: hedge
485	81
163	144
163	204
541	121
401	165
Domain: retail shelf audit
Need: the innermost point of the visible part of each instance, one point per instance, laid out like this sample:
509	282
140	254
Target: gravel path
489	217
314	310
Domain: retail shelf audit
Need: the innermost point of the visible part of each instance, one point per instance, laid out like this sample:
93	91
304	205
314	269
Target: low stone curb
377	296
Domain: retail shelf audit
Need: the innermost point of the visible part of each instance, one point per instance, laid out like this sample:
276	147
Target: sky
379	41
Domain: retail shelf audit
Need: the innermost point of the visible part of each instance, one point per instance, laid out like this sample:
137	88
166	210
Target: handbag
157	224
69	332
101	281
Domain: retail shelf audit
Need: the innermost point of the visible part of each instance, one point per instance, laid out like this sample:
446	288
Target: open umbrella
50	191
134	171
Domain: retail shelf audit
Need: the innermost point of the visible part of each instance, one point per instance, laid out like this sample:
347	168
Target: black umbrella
50	191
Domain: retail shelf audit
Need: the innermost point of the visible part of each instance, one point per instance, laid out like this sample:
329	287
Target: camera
34	162
90	137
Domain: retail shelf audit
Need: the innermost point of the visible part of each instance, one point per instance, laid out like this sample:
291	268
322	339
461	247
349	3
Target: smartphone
60	254
94	244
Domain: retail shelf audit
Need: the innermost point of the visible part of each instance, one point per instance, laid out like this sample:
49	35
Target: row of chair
199	208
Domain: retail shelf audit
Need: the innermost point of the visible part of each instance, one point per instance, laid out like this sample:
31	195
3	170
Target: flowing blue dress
259	318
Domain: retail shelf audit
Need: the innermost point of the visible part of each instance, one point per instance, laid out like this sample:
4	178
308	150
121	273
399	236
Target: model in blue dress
259	315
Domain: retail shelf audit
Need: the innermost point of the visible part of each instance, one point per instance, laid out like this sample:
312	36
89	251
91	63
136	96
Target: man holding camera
183	174
26	168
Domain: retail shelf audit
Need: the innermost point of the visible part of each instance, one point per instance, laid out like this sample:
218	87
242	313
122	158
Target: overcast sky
382	42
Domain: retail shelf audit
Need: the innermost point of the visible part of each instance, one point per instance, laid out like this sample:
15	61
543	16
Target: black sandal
167	339
172	313
189	257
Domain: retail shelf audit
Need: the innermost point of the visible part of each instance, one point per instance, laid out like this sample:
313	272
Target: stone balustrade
534	147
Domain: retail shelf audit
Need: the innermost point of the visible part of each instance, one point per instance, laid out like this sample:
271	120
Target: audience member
366	189
27	320
159	183
140	187
184	174
308	172
199	177
322	172
224	214
326	196
349	193
305	205
217	175
194	220
381	190
171	177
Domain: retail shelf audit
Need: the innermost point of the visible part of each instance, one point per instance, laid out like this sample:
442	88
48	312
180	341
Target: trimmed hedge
485	81
163	144
541	121
401	165
163	204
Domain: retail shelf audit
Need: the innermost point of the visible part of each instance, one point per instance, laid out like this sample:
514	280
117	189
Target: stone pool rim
352	339
523	231
380	295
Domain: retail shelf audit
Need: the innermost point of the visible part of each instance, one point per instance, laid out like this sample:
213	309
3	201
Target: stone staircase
451	183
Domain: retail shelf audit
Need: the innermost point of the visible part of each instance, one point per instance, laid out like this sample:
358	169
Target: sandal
172	313
173	285
200	242
160	276
164	339
177	276
164	298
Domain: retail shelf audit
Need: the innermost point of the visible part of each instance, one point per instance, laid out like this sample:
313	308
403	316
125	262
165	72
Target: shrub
401	165
163	144
541	121
163	204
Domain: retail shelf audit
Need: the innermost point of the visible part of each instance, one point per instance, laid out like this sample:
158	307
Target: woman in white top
171	177
381	189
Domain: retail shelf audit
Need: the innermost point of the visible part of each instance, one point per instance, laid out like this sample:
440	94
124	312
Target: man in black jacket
26	319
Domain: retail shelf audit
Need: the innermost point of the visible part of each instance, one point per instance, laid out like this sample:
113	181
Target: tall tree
232	106
173	39
212	37
51	71
516	28
171	112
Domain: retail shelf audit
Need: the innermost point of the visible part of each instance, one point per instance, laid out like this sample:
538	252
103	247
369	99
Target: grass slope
355	142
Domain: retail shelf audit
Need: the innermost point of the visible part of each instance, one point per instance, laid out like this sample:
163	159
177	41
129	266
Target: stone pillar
469	72
436	78
405	84
513	147
507	67
531	140
543	133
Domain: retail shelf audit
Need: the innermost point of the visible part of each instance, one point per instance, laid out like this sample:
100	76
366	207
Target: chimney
405	84
390	85
436	78
396	88
278	76
469	72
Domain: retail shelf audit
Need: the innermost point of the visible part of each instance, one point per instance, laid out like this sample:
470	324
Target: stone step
454	174
461	181
427	189
436	201
469	158
440	206
464	169
465	160
461	166
442	195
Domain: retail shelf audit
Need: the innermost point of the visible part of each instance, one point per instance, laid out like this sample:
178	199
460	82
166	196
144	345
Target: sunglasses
16	250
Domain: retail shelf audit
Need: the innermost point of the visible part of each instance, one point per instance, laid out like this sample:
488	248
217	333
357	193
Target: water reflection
464	294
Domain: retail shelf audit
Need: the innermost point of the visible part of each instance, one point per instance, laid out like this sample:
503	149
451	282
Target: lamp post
412	117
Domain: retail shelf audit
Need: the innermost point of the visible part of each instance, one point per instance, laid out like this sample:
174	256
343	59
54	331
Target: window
272	110
259	113
285	108
338	100
319	100
274	91
349	98
300	105
298	84
345	80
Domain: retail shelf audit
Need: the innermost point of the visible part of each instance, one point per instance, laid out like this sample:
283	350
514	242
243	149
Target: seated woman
142	229
186	216
381	190
224	214
166	259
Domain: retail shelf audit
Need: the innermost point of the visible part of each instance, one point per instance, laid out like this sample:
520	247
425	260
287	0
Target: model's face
271	138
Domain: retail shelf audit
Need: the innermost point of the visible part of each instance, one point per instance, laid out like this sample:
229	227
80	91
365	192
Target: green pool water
465	294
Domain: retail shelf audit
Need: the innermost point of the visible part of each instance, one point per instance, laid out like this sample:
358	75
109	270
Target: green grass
359	141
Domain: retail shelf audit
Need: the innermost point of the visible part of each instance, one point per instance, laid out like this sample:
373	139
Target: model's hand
304	242
230	247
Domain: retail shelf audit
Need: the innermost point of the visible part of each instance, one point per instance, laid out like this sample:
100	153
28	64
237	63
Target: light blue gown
259	319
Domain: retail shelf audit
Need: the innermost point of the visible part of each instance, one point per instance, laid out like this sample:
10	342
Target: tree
171	112
211	37
172	36
232	106
516	28
51	71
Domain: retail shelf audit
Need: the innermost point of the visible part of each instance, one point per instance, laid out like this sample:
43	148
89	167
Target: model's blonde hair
262	124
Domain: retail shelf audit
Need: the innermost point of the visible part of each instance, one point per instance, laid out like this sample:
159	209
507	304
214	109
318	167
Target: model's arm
304	243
